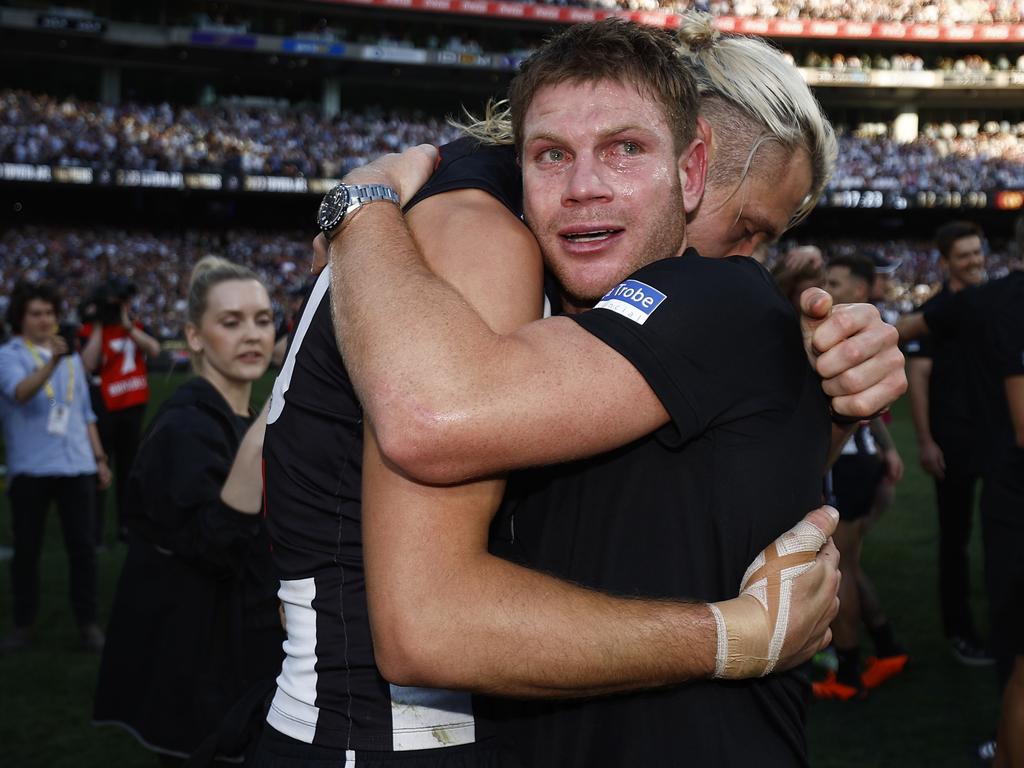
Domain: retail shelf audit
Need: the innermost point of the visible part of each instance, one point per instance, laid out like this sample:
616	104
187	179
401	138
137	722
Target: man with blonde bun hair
771	149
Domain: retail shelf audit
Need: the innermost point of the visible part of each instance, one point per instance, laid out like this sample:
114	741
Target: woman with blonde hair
195	622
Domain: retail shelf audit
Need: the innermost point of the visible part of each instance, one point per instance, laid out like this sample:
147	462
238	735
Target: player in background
944	423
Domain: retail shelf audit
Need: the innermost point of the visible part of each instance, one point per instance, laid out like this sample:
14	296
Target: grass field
929	716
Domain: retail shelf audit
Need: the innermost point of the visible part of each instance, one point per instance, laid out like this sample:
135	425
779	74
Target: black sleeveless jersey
330	692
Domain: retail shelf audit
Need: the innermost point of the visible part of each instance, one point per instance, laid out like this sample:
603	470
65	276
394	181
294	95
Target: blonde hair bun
698	32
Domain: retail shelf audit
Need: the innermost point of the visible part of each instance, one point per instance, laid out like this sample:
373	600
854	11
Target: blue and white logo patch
632	299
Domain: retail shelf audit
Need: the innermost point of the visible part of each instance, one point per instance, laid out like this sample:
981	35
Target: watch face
332	209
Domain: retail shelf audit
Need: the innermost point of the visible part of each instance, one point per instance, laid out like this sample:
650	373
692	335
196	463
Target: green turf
929	716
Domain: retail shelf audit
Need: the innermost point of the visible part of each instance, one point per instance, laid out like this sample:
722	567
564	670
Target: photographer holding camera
115	352
53	454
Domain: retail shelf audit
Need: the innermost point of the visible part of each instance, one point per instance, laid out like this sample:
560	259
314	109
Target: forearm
96	443
840	434
445	613
93	348
912	326
145	342
27	388
567	641
881	435
919	375
243	489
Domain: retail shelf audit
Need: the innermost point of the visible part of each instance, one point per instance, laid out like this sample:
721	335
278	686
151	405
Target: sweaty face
236	332
601	184
733	221
845	287
966	262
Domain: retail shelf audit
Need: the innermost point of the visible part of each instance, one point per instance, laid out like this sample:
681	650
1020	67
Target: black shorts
275	750
855	481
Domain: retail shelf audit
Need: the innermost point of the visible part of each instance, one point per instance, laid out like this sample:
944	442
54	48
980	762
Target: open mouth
592	236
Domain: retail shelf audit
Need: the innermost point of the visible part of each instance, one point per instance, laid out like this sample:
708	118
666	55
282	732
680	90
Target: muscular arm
446	613
435	594
451	399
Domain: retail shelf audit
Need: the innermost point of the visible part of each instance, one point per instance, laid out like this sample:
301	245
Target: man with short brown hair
944	422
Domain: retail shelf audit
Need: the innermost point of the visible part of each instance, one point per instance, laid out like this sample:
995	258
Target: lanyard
50	394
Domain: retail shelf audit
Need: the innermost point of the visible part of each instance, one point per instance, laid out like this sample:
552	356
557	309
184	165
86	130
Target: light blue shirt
31	449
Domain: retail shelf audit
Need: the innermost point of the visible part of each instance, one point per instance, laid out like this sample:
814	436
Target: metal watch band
367	193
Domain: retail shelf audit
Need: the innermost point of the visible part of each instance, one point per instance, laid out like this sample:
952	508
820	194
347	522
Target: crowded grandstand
139	140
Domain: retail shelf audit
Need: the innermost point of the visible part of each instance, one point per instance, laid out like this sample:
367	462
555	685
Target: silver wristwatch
340	202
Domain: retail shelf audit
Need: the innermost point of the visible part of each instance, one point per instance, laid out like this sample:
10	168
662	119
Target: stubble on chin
664	239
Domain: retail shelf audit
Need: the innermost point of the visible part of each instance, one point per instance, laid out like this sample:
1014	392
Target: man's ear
693	167
704	132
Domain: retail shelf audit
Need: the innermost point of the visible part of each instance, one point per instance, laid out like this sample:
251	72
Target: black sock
885	641
848	672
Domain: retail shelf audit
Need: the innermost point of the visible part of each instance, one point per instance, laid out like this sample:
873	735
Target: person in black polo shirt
944	421
993	315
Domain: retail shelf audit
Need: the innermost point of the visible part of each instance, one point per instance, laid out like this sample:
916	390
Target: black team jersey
681	513
330	693
992	316
952	420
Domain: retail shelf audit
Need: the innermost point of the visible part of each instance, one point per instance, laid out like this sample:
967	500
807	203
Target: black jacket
195	622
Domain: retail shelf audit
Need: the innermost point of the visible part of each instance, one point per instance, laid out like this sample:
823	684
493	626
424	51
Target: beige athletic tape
752	627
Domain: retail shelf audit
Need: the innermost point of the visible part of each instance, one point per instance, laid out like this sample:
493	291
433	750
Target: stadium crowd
159	265
971	155
905	11
863	61
44	129
302	142
81	259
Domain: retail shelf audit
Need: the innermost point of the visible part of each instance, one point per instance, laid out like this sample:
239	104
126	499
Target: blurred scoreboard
1004	200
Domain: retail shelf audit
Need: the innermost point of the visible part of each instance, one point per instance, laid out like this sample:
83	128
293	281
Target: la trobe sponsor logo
632	299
